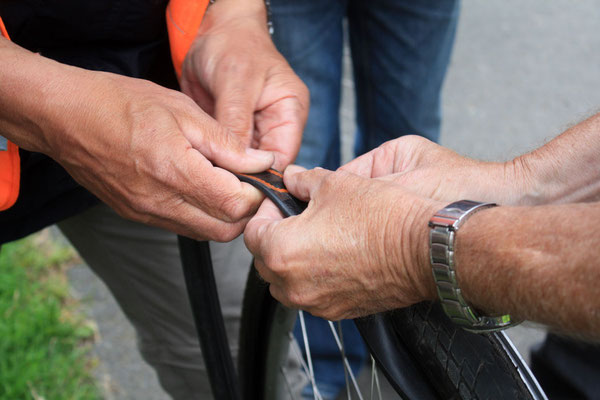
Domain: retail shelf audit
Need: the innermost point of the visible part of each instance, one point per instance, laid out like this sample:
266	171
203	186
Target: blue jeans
400	52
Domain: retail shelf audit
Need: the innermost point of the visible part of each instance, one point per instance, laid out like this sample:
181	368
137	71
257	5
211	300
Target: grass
44	341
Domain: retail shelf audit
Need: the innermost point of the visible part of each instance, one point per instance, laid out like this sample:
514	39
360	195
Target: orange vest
183	20
10	164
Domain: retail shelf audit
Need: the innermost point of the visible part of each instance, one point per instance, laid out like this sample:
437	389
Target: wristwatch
444	226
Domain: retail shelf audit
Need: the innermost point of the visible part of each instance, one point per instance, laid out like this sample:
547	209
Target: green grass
44	341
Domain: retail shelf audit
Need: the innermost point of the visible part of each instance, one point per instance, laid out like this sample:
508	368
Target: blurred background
521	73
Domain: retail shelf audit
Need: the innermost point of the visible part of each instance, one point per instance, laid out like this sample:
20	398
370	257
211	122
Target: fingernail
294	169
261	155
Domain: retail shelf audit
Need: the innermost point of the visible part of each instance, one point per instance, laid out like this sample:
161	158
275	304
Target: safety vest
10	164
183	20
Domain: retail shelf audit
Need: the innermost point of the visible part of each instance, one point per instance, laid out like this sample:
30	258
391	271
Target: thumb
255	235
362	166
302	183
225	149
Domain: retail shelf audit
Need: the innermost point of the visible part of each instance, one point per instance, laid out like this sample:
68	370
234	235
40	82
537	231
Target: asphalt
521	73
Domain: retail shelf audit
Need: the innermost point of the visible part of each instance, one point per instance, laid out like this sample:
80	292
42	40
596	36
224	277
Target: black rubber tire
463	365
457	363
258	309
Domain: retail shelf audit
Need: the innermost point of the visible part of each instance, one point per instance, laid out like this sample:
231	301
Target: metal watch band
444	225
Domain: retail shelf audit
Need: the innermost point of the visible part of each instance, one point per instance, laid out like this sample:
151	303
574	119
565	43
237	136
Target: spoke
346	363
308	357
296	347
375	379
341	333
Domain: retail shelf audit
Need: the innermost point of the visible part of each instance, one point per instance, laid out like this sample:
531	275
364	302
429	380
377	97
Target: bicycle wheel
456	364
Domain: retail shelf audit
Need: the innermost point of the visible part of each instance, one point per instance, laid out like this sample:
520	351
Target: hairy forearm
565	170
538	263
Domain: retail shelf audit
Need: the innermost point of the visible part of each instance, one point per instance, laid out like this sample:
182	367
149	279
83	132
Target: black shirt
127	37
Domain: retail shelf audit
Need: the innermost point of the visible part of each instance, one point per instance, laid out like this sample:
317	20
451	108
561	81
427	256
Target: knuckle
413	141
236	116
227	234
297	298
275	261
234	207
330	181
330	313
234	62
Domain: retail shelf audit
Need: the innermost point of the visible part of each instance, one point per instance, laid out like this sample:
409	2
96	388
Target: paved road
521	72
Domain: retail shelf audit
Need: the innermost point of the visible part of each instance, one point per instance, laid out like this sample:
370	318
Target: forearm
32	89
565	170
537	263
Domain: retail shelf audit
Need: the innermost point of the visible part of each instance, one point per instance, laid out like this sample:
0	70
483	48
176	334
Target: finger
236	96
279	294
256	234
302	183
269	211
279	129
224	148
190	221
214	190
377	162
265	273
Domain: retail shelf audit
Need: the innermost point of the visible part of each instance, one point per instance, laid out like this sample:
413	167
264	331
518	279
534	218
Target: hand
148	152
359	248
234	72
435	172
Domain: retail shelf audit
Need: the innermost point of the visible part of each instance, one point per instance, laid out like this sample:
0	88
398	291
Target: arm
145	150
234	72
564	170
368	251
538	263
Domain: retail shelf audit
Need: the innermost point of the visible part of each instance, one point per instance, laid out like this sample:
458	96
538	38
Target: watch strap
444	225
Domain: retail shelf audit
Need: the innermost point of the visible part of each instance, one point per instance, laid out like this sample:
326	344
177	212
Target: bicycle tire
458	364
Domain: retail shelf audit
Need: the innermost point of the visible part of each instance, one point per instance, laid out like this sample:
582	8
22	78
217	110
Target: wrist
29	86
522	183
70	100
226	10
446	226
422	248
408	244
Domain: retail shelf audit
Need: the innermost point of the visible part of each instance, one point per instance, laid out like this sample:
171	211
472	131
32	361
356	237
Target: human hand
359	248
234	72
433	171
148	152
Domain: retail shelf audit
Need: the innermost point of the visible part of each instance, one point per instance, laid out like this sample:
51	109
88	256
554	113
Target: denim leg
309	34
400	52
